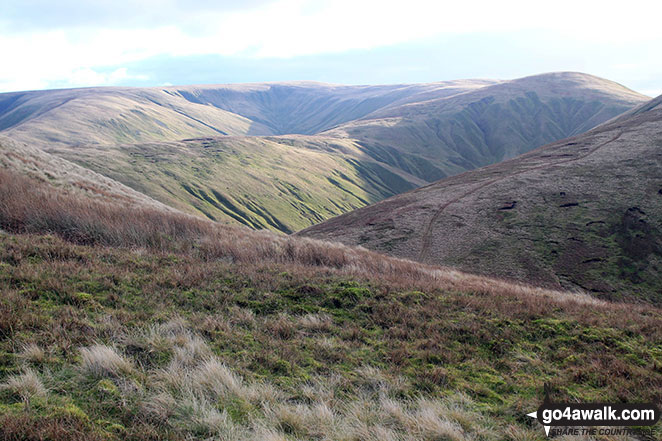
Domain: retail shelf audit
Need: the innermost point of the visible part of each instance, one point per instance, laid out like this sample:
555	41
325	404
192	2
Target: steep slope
309	107
188	147
127	115
464	131
32	162
585	212
279	183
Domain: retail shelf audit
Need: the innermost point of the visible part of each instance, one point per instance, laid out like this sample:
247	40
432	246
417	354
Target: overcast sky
68	43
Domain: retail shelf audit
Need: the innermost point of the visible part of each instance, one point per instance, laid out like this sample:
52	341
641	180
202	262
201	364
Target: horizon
500	80
160	43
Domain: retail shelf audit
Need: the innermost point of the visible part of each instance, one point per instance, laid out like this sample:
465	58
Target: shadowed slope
174	144
126	115
278	183
584	212
481	127
309	107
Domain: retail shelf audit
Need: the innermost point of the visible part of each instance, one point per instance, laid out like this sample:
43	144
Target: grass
582	214
162	326
99	360
447	136
24	386
263	183
177	146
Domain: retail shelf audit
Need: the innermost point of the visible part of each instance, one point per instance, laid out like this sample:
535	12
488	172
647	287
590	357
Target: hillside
582	213
278	183
461	132
29	161
308	107
134	323
112	115
192	147
128	115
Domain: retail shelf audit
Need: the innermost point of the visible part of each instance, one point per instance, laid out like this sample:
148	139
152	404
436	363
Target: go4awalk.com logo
595	418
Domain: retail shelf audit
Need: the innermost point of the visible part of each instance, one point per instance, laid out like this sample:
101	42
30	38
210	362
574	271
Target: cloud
89	77
76	42
48	14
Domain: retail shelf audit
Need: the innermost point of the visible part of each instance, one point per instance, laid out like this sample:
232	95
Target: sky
69	43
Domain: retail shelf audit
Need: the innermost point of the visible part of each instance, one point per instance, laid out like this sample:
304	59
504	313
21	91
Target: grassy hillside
278	183
581	213
308	107
464	131
128	115
193	148
27	160
141	324
111	116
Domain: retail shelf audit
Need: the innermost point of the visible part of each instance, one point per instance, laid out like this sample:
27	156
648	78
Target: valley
582	213
303	261
305	152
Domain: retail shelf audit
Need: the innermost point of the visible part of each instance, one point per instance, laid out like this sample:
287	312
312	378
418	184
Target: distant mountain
127	115
456	133
112	116
322	149
585	212
308	107
123	322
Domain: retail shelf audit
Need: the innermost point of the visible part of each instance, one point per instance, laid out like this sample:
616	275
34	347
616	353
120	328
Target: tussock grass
100	360
215	379
32	353
206	399
315	322
222	333
25	386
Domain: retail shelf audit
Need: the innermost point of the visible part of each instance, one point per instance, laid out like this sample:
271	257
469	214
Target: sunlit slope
127	115
69	178
192	147
113	115
584	213
481	127
309	107
277	183
124	322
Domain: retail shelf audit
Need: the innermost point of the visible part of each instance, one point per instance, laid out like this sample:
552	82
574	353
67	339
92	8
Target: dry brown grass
193	400
210	383
32	353
27	206
100	360
56	428
25	386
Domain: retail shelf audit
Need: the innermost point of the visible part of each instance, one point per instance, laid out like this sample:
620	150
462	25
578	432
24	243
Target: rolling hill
124	318
308	107
582	213
125	115
40	166
456	133
112	115
124	322
322	149
278	183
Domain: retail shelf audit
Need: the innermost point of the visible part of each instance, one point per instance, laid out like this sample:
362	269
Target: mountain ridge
579	213
197	148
